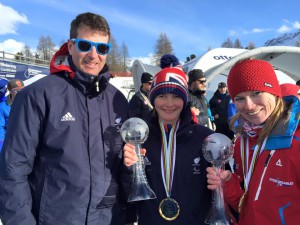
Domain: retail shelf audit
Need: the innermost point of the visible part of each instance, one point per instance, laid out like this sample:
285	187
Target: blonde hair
272	120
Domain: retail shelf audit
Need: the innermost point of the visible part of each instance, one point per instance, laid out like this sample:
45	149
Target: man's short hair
91	20
298	83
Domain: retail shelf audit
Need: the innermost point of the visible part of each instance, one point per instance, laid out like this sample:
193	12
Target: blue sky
191	25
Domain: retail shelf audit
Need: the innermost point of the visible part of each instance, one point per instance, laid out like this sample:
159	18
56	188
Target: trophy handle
140	188
218	214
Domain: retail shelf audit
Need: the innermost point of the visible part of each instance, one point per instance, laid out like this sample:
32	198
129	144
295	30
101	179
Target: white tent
285	60
138	68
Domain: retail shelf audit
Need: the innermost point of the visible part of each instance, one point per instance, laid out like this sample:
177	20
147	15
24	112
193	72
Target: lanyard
146	100
168	156
247	171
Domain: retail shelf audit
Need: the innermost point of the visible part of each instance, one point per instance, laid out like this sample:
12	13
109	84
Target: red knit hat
252	75
290	89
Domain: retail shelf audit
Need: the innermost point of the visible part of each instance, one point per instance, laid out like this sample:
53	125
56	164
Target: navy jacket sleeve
16	160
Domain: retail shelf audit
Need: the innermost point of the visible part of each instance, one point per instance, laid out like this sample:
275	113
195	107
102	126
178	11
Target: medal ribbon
168	156
247	171
147	100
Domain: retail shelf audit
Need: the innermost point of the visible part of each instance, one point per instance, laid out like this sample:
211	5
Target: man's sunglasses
202	81
86	46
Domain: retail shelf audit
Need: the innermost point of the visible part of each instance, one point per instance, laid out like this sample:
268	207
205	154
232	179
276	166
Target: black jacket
139	107
62	158
189	185
219	105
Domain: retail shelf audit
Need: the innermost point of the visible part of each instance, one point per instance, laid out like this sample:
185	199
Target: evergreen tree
250	45
19	56
192	56
114	58
125	57
227	44
237	44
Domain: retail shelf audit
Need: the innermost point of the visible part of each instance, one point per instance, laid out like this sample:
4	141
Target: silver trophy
218	149
135	131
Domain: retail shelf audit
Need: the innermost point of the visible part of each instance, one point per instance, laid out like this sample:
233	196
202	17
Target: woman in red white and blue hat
267	152
174	164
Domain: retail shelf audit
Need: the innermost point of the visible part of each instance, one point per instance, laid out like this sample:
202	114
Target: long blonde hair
272	120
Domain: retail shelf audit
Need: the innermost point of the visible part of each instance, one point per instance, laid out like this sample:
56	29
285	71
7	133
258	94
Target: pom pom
169	60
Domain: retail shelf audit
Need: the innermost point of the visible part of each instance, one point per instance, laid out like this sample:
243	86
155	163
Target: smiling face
88	62
255	106
168	107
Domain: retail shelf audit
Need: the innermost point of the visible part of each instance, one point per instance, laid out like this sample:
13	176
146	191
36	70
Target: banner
16	70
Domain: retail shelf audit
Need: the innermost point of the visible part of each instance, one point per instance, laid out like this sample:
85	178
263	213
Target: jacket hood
59	63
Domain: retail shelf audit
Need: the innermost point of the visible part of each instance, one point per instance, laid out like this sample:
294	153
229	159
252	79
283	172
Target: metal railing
23	59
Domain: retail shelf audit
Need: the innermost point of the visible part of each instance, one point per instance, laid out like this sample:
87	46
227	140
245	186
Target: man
139	105
5	106
197	100
219	108
61	161
13	87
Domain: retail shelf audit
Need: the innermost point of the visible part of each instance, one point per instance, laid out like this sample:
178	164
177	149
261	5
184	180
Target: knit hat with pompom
170	81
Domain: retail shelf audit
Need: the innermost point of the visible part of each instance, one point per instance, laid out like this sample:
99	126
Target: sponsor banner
15	70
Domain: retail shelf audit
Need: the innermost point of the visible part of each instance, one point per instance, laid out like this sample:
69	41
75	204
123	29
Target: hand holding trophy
218	149
135	131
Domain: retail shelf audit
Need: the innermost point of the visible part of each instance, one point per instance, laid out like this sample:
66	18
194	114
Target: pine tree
237	44
125	57
114	58
250	45
227	44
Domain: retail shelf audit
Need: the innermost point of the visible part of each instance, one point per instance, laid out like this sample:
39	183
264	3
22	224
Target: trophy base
143	192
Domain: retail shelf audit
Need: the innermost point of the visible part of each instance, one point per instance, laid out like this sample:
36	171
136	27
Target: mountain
287	39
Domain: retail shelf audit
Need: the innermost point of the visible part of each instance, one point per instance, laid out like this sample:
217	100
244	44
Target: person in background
61	161
175	166
231	110
266	152
288	89
218	105
4	110
139	105
13	87
197	99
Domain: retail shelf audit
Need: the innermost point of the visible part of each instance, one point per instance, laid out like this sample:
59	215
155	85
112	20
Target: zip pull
97	86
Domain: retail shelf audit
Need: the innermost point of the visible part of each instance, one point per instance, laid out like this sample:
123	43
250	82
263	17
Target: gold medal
169	209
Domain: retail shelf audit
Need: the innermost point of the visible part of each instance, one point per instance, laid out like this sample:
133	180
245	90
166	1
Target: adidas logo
68	117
